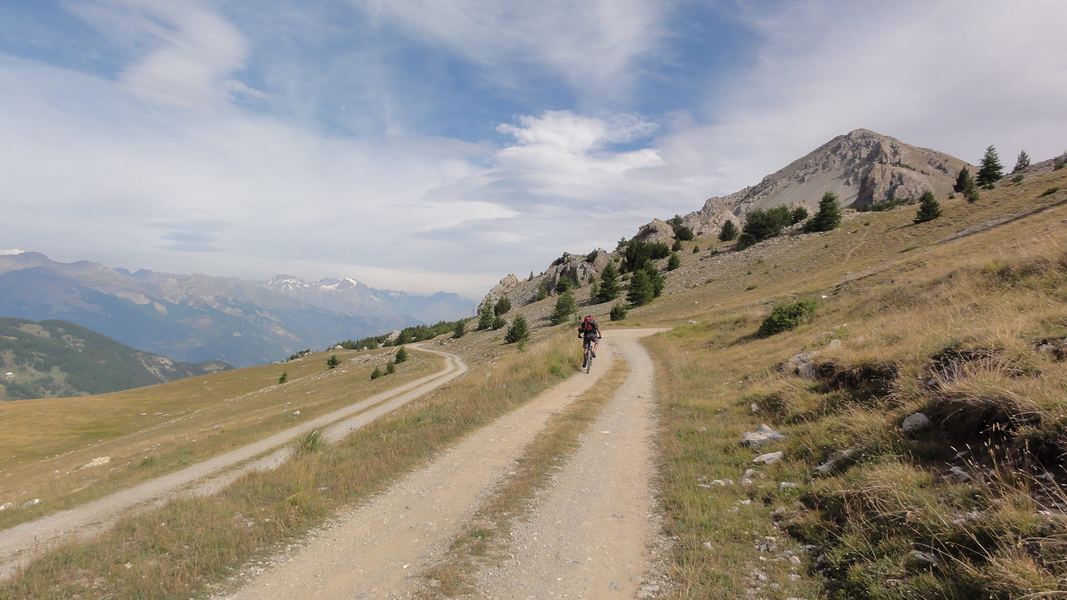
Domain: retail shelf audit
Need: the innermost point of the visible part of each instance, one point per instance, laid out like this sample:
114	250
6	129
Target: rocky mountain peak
864	168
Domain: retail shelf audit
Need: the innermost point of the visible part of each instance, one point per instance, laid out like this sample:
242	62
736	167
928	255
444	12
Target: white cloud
592	45
192	51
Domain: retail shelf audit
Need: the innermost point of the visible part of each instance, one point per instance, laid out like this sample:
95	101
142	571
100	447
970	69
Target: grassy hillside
962	319
47	446
58	358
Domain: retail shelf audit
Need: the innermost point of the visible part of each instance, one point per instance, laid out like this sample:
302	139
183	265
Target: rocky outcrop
655	231
582	268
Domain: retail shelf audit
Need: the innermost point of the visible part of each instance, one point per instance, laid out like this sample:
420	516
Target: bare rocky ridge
863	168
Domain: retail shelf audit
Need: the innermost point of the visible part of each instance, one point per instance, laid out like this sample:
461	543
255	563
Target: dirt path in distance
19	544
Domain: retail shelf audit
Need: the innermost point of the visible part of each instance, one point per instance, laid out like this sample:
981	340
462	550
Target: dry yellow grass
895	295
45	443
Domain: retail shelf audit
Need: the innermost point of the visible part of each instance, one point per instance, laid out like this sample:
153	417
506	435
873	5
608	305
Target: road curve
19	544
383	548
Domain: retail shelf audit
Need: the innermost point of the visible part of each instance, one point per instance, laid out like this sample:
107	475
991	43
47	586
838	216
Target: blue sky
428	145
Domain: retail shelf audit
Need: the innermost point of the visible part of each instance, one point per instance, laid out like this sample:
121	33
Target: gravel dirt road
588	539
590	535
20	543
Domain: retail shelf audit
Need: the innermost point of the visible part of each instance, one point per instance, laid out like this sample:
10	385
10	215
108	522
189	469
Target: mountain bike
587	364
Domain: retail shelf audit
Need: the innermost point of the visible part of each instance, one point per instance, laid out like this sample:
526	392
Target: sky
429	145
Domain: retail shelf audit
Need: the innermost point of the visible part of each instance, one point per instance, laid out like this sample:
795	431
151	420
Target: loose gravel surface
591	535
381	549
19	544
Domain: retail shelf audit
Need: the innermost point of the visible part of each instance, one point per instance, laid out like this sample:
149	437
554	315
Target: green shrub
518	332
401	355
799	214
376	373
674	262
787	316
284	377
1049	192
696	249
618	312
311	443
498	322
332	362
639	253
459	330
676	246
390	369
763	224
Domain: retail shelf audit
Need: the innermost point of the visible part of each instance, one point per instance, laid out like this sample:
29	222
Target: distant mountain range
58	358
200	318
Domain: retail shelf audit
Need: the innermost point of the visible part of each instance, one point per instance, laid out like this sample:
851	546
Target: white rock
96	462
31	503
769	458
7	506
787	485
763	435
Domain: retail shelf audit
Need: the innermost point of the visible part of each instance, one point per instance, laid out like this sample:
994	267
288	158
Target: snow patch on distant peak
11	252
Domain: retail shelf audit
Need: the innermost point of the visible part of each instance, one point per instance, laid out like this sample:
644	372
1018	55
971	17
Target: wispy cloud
187	53
592	45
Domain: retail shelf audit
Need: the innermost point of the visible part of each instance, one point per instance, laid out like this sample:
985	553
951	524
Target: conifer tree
829	215
460	329
929	208
566	306
990	169
609	284
656	279
799	214
729	232
519	330
485	316
1022	162
503	305
963	178
641	291
401	355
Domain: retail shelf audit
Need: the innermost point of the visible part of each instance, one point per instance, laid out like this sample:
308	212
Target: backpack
588	325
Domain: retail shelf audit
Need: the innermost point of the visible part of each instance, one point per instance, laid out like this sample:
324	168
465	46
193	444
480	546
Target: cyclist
589	332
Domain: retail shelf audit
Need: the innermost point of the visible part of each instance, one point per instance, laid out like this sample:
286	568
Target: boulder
915	423
763	435
770	458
